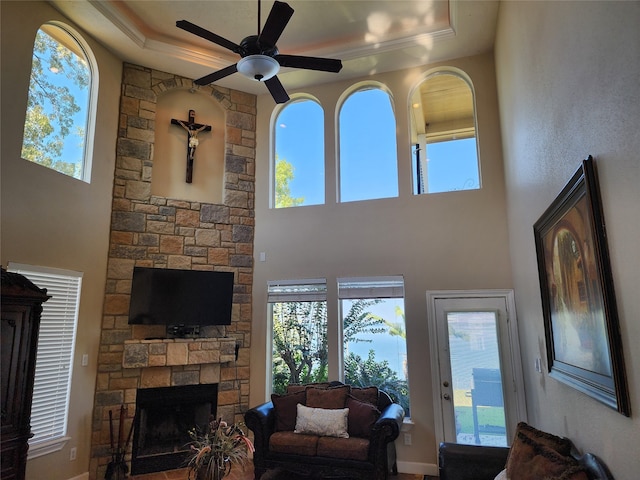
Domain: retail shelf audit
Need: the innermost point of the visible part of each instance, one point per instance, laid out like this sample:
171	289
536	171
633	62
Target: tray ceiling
368	36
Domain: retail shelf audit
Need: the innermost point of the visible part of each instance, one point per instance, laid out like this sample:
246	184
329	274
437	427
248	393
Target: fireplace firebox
163	419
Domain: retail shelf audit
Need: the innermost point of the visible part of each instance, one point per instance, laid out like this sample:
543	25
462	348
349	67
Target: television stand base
183	331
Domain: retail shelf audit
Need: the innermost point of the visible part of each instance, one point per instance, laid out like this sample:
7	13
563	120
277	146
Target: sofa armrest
389	422
261	412
383	433
261	421
471	462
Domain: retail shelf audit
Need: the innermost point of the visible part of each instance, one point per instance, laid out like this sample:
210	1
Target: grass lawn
489	418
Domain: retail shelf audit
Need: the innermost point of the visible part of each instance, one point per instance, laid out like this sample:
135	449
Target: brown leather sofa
474	462
368	453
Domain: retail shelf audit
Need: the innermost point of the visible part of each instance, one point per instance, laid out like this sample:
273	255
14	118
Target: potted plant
217	449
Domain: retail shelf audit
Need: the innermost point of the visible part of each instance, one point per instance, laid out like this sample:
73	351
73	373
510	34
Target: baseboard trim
82	476
418	468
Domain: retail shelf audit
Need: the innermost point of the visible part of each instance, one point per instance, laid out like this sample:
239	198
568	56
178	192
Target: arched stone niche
170	149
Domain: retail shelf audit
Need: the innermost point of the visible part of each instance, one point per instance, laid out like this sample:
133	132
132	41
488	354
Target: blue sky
452	165
73	149
368	152
300	141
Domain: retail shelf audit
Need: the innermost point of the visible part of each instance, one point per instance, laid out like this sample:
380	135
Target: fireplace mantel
169	352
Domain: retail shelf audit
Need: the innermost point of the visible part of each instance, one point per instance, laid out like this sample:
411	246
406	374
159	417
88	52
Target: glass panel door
476	381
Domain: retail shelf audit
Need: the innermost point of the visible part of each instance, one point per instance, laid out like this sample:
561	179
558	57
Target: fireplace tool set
117	468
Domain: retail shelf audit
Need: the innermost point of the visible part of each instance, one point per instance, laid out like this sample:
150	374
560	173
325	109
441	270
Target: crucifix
192	129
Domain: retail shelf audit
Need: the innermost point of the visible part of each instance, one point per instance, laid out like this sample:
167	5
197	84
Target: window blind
371	287
312	290
56	341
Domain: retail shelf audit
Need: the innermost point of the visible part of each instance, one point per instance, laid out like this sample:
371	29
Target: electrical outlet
72	453
407	439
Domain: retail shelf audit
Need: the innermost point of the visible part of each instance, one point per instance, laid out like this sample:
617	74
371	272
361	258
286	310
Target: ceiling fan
261	60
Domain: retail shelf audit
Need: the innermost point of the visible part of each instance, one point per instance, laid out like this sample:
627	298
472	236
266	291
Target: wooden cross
192	129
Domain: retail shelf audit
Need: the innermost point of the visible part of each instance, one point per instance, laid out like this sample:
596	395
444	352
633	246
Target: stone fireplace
155	231
171	402
163	419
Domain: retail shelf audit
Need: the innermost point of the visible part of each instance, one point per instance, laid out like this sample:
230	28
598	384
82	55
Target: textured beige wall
53	220
441	241
568	87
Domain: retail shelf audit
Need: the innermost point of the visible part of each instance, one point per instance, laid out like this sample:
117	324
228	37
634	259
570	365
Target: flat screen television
180	297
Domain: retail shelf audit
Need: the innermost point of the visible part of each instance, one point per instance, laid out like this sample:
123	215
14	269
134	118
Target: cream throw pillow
322	421
502	475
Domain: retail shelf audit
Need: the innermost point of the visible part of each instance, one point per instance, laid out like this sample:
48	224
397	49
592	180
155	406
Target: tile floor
236	474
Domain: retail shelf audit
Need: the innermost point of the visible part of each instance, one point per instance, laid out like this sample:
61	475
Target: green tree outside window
57	106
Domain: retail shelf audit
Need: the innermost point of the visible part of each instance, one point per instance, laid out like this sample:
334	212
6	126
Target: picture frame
582	332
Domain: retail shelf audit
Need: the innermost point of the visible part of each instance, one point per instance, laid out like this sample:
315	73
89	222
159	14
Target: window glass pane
298	311
368	154
374	335
452	165
299	343
476	378
55	126
443	137
299	155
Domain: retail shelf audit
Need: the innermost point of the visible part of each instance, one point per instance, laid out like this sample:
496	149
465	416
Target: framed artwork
582	332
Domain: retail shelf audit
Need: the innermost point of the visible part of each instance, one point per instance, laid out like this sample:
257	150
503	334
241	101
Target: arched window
445	151
58	124
368	153
298	161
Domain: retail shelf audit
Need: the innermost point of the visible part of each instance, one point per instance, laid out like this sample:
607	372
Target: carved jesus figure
193	136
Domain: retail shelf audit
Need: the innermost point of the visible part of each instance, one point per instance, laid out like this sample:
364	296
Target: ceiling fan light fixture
258	67
261	60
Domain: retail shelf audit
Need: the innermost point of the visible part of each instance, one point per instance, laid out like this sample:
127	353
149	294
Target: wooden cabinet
21	309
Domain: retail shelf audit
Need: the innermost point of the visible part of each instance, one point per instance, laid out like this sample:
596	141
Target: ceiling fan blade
278	18
310	63
217	75
206	34
278	92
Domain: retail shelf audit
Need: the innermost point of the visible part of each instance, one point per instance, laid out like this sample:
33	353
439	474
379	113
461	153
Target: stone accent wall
153	231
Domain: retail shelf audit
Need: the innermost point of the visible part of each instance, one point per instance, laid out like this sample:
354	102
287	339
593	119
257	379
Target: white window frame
54	366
